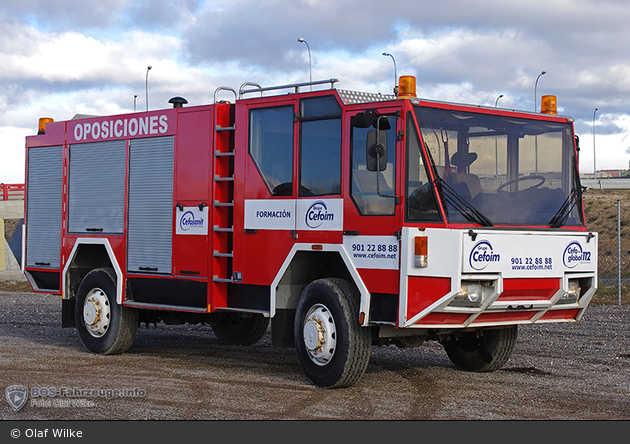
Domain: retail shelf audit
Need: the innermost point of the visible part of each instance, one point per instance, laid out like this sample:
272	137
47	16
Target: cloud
164	15
64	14
496	47
69	64
62	57
265	33
12	153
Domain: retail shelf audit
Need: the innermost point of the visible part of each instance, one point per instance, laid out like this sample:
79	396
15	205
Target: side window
271	147
368	187
320	146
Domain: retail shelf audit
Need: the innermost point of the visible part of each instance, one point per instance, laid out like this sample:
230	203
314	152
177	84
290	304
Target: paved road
558	371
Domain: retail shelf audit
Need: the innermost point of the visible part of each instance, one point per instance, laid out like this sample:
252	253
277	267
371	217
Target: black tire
104	326
487	351
332	347
240	329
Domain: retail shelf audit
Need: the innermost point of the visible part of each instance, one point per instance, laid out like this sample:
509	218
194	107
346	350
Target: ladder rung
218	279
223	204
217	254
224	179
218	153
219	128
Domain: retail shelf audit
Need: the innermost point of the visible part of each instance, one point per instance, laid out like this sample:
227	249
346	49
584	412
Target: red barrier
12	191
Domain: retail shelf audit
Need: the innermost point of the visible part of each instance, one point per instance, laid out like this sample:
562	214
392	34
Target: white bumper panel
528	254
495	255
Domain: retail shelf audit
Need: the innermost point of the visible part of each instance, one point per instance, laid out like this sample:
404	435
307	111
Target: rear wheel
482	350
332	347
240	329
104	326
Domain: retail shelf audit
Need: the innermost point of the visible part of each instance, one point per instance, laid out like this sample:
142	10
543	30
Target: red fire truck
348	220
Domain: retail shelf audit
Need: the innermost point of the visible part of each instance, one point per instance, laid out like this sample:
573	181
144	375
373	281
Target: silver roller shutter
43	213
150	228
96	192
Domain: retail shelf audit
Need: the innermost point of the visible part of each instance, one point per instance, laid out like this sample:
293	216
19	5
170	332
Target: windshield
491	170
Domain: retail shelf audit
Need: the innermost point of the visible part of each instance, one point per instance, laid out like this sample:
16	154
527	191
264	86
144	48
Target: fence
12	191
608	213
11	221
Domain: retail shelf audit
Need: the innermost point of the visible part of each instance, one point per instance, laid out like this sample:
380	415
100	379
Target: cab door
319	202
372	217
265	189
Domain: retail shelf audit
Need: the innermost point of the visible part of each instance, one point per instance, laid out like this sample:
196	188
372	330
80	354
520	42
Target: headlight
573	293
472	294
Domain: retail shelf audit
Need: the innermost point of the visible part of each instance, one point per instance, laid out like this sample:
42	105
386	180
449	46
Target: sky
59	58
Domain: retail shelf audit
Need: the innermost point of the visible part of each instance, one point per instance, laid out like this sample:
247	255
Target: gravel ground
558	371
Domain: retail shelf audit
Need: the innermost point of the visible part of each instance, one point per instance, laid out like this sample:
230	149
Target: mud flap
67	313
282	328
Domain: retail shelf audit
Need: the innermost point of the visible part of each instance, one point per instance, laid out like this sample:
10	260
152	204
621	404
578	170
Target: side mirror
577	143
376	151
364	119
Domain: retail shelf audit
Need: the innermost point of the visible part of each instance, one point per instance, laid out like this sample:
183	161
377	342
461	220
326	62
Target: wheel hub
320	334
96	312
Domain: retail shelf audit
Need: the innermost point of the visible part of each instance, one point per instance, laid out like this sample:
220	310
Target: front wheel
482	350
332	347
104	326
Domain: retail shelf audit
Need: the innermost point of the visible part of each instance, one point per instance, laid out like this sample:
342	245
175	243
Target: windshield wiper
470	213
560	218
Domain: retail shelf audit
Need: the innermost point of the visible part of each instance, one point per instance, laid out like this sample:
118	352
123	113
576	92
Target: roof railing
223	88
242	91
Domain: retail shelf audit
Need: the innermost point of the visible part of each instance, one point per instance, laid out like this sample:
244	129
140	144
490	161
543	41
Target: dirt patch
14	286
576	370
9	227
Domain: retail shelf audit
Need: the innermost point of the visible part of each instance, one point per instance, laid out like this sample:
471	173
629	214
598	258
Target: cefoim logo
317	214
482	255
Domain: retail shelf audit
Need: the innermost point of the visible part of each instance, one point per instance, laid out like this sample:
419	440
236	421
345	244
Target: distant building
612	173
607	174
